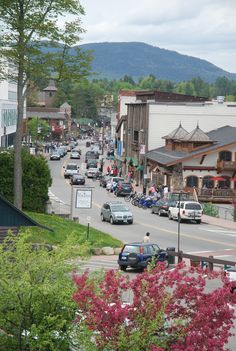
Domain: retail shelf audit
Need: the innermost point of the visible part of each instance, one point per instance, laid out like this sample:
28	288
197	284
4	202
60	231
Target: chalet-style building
149	115
59	119
197	160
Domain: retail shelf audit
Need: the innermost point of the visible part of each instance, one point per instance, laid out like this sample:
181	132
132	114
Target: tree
35	181
170	310
24	25
38	128
36	312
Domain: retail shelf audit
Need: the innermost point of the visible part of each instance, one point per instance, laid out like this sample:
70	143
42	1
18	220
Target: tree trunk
18	142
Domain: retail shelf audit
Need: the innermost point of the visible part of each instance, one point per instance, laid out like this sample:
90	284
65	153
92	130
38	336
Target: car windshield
131	248
193	206
72	167
119	208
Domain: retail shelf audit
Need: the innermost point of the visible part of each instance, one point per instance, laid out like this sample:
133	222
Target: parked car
55	156
139	255
116	212
103	181
188	210
75	154
231	273
91	163
92	172
123	189
162	207
77	179
112	183
70	170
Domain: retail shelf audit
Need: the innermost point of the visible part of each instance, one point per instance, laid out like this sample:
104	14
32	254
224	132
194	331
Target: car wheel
102	218
133	259
198	221
131	222
169	216
123	268
111	220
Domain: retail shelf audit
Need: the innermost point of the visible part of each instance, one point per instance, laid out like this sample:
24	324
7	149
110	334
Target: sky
201	28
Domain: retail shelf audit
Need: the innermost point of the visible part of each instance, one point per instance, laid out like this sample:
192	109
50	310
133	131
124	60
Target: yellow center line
181	234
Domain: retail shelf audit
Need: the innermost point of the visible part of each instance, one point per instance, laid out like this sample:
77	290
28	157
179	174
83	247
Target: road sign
83	198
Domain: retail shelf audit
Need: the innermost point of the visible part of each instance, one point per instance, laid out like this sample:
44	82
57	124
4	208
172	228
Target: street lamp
179	219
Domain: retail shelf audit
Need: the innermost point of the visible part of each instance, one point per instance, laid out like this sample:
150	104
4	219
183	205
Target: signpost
81	198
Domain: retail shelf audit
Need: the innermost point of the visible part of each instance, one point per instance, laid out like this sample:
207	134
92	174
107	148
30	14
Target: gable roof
224	136
11	216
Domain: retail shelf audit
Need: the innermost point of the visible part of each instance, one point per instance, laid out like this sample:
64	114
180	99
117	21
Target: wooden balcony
226	165
217	195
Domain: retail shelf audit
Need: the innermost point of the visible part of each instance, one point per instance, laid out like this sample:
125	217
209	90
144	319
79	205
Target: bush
210	210
36	179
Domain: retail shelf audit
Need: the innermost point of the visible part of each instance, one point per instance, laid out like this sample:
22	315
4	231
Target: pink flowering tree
169	310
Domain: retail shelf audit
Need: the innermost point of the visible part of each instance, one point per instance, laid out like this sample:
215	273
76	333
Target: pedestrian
146	238
108	169
165	192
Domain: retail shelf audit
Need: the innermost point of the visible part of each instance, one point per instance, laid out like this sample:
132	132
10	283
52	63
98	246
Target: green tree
36	311
38	128
36	179
24	24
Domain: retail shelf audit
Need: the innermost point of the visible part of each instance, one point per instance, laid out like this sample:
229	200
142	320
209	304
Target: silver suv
116	212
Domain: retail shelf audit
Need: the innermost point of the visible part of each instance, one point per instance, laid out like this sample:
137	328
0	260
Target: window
136	133
192	181
207	183
225	156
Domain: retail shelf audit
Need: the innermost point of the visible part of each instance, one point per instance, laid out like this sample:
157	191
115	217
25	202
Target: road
201	238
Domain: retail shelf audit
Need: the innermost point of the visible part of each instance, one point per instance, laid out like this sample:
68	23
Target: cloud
201	28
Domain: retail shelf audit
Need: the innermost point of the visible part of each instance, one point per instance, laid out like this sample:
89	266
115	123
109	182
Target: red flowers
167	310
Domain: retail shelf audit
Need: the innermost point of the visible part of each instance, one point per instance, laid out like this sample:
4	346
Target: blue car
139	255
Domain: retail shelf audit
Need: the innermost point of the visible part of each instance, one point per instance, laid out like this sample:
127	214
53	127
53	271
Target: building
8	111
197	160
59	119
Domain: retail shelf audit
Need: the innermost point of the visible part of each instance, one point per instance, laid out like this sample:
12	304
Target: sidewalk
219	222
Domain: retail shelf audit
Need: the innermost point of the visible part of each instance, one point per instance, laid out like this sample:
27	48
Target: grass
62	228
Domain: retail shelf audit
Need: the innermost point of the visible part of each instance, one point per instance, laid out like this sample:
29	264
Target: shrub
210	210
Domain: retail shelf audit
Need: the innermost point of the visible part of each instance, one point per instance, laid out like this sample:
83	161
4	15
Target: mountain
136	59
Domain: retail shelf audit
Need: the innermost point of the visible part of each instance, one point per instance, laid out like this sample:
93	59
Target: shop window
192	181
135	139
207	183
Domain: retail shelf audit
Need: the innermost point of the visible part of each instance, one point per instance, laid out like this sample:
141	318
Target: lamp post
179	219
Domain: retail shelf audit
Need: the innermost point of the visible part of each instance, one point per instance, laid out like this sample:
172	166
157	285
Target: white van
189	210
70	170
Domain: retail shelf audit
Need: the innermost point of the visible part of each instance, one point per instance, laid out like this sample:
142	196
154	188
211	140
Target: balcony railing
226	165
214	195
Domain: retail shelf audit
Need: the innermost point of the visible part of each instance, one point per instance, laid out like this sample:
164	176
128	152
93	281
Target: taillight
141	250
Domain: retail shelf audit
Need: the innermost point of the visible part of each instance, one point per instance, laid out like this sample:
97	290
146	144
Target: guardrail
201	260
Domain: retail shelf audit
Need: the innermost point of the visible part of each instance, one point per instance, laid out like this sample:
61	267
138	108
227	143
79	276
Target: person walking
146	238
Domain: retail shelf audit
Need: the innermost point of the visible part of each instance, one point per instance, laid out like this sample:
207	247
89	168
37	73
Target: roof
11	216
224	136
51	86
46	115
178	133
197	135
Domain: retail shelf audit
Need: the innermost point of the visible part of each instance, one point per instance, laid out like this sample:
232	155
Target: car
70	170
55	156
116	212
75	154
103	181
139	255
91	163
112	183
188	210
162	207
123	189
90	155
230	271
77	179
92	172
